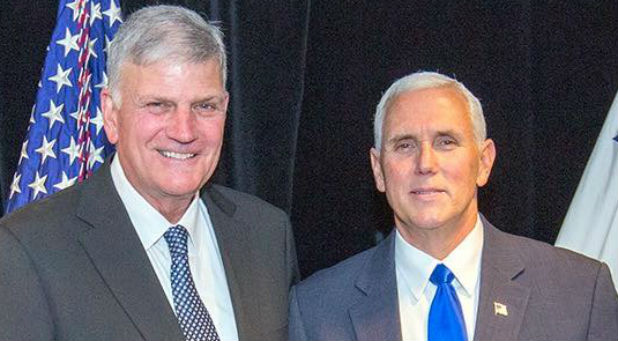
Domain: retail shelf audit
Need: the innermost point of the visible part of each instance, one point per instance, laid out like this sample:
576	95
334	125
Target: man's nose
426	162
182	125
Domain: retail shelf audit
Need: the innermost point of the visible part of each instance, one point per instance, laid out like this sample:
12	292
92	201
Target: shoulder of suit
245	206
38	219
60	206
541	254
336	277
243	199
55	205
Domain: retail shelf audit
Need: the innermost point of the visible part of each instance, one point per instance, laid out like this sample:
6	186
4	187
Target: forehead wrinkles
434	105
167	81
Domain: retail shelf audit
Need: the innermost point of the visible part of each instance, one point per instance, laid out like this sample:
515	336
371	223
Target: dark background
305	79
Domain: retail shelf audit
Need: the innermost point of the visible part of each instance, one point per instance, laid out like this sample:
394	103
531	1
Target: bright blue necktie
193	316
446	320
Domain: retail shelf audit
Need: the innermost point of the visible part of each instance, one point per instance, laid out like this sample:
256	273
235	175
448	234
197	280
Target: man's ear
486	162
226	101
110	116
376	167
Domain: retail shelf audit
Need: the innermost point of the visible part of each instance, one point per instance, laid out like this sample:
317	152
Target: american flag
65	142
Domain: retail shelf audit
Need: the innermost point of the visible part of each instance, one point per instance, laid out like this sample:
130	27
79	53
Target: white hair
155	33
428	80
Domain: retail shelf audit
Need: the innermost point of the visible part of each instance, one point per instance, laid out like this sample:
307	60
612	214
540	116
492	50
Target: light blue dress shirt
204	254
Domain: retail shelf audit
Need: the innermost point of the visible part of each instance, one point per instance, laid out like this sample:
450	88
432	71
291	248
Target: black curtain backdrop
305	79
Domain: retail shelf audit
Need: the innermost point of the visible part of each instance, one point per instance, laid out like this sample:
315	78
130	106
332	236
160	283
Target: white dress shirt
416	292
204	255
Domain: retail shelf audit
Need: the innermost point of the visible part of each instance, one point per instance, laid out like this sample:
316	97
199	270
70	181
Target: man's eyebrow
446	132
148	98
209	98
159	98
408	136
400	137
450	132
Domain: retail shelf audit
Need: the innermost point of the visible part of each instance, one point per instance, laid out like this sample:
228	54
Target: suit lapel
376	316
236	254
502	301
117	253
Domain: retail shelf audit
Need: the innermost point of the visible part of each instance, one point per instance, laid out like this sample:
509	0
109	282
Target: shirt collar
149	224
464	261
414	265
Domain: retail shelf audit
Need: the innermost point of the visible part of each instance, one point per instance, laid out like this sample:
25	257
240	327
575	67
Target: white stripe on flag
591	224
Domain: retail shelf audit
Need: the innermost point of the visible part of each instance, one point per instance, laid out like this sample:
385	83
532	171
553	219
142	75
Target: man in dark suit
147	249
446	273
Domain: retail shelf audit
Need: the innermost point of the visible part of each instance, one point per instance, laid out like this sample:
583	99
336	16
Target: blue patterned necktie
446	320
193	316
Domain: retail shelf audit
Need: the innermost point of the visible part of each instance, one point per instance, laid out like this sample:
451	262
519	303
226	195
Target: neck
173	211
438	242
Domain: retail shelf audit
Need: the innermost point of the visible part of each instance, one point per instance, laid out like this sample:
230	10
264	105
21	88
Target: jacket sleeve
604	314
296	327
24	312
292	261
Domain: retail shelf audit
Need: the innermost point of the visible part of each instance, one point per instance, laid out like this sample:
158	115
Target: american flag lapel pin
500	309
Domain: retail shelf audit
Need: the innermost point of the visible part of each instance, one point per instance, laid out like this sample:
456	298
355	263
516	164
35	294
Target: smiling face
168	129
430	165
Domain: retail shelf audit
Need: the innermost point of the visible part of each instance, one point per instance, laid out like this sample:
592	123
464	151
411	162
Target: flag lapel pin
500	309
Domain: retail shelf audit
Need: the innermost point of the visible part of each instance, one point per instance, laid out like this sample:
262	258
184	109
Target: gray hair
428	80
154	33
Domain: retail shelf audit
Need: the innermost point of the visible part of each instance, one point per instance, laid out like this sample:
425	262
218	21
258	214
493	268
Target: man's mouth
425	191
174	155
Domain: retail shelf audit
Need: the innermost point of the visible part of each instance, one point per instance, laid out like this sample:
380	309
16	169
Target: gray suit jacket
73	268
549	293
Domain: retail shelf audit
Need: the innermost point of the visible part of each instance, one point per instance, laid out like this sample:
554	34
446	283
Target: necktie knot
176	238
446	321
441	275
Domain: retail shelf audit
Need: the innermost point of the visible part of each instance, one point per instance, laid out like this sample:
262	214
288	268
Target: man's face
430	164
168	129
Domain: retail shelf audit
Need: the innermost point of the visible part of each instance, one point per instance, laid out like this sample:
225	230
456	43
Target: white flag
591	224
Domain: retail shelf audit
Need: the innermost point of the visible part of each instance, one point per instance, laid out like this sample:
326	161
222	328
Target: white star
24	151
75	7
54	113
15	185
95	12
69	42
61	78
108	43
66	182
91	49
72	151
98	120
113	13
32	114
38	185
95	156
104	81
75	114
46	149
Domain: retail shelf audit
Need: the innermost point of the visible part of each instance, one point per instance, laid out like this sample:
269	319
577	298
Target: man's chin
425	223
180	190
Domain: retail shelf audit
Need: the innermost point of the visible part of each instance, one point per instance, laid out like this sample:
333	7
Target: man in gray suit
147	248
446	273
